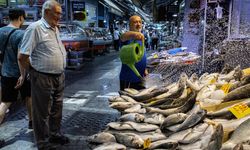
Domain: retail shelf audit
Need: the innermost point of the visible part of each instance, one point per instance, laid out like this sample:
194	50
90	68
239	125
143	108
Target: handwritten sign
226	87
146	143
240	110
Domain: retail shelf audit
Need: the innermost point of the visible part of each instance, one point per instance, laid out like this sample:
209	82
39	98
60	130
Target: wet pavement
85	111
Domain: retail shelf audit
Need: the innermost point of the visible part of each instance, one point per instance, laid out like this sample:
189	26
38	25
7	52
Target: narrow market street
85	111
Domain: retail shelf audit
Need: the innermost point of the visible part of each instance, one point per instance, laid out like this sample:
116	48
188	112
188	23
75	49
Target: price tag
189	90
212	81
155	56
240	110
146	143
226	87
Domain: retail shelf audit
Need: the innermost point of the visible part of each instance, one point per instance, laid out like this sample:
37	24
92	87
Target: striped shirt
44	46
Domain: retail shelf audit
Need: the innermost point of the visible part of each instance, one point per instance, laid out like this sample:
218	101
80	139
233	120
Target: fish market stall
170	64
207	112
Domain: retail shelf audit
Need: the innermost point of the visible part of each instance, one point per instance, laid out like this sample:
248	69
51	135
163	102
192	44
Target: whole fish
102	137
180	135
216	139
135	117
173	119
121	105
195	134
116	99
225	113
190	121
202	143
230	125
241	134
173	95
182	109
131	91
156	119
194	85
110	146
179	101
245	80
239	93
128	99
173	88
236	73
136	109
139	97
129	139
166	144
152	135
142	127
120	126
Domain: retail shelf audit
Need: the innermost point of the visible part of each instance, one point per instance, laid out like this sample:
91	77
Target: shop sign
78	6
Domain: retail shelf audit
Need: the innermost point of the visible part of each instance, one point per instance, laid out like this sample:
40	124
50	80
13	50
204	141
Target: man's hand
19	82
138	36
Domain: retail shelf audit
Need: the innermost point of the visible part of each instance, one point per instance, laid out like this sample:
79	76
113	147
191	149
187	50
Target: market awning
113	8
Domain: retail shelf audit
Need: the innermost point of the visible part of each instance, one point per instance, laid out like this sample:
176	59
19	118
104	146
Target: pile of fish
190	114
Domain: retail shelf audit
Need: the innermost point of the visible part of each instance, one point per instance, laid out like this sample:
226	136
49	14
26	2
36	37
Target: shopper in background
13	79
147	39
116	39
128	78
155	38
43	53
2	142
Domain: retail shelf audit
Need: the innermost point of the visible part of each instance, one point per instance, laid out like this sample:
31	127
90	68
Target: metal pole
66	11
204	36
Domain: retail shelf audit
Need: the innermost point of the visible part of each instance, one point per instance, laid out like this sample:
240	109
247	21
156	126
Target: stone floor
85	111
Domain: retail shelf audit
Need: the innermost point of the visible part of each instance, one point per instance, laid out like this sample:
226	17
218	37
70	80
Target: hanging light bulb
219	12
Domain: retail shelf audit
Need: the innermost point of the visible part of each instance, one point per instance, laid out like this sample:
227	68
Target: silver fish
239	93
216	139
110	146
154	119
116	99
244	81
173	119
145	96
136	109
166	144
241	134
121	105
143	127
120	126
190	121
129	139
182	109
195	134
102	137
135	117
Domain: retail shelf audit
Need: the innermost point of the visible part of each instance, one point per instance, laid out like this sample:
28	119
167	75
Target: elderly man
128	78
43	53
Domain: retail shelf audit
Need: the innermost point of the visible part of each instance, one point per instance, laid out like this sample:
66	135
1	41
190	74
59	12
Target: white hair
49	4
